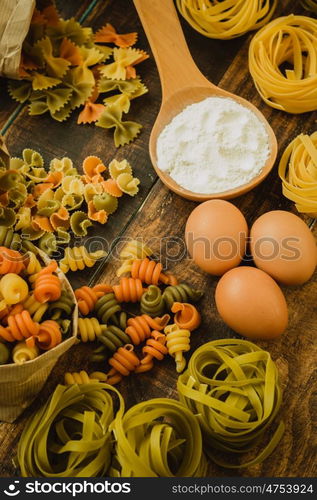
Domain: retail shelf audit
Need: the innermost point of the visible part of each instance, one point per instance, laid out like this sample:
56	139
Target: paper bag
15	19
20	384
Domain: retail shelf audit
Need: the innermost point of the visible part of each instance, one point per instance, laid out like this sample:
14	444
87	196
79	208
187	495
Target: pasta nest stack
283	63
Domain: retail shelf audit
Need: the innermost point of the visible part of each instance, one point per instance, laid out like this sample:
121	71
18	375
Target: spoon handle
174	61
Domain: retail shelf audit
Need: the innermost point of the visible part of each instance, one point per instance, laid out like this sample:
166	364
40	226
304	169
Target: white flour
213	146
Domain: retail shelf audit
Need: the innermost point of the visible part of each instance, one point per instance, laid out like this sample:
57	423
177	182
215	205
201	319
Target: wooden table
159	216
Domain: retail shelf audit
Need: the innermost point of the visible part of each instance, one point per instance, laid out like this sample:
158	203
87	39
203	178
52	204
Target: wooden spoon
183	84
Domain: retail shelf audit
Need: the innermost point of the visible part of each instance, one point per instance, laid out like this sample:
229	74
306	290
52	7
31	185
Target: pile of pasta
282	62
298	172
78	434
162	321
226	20
35	309
49	205
230	395
65	66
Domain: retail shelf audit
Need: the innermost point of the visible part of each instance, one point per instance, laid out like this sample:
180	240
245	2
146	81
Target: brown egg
251	303
215	234
283	246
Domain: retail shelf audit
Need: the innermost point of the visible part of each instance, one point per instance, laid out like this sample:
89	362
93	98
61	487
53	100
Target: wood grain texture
160	220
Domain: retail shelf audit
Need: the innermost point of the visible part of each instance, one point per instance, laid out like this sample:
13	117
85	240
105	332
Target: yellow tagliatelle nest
232	386
228	19
298	171
283	63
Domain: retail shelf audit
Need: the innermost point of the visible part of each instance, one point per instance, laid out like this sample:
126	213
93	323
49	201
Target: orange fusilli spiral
87	296
47	286
10	311
186	316
155	348
11	261
20	327
49	336
123	362
150	272
140	327
129	290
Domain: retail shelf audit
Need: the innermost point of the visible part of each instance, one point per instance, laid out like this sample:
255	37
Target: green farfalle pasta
9	179
158	438
125	131
32	158
17	195
69	436
233	388
105	202
79	223
47	203
7	217
47	242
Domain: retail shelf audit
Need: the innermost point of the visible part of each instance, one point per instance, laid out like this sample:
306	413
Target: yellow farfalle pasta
292	40
298	172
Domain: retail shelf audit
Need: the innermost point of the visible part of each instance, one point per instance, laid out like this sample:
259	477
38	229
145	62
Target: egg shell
283	246
251	303
215	234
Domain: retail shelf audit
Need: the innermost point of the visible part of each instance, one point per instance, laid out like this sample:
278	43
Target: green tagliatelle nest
69	436
158	438
233	388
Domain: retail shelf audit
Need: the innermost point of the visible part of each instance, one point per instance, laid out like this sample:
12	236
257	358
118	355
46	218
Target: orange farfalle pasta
140	327
108	34
47	286
110	186
51	15
60	219
100	216
92	110
186	316
93	166
39	222
48	336
123	362
154	348
11	261
129	290
87	297
55	178
69	51
41	188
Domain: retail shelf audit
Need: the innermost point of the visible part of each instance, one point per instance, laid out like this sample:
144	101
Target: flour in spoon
212	146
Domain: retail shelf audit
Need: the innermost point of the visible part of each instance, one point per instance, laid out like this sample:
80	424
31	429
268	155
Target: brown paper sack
20	384
15	19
